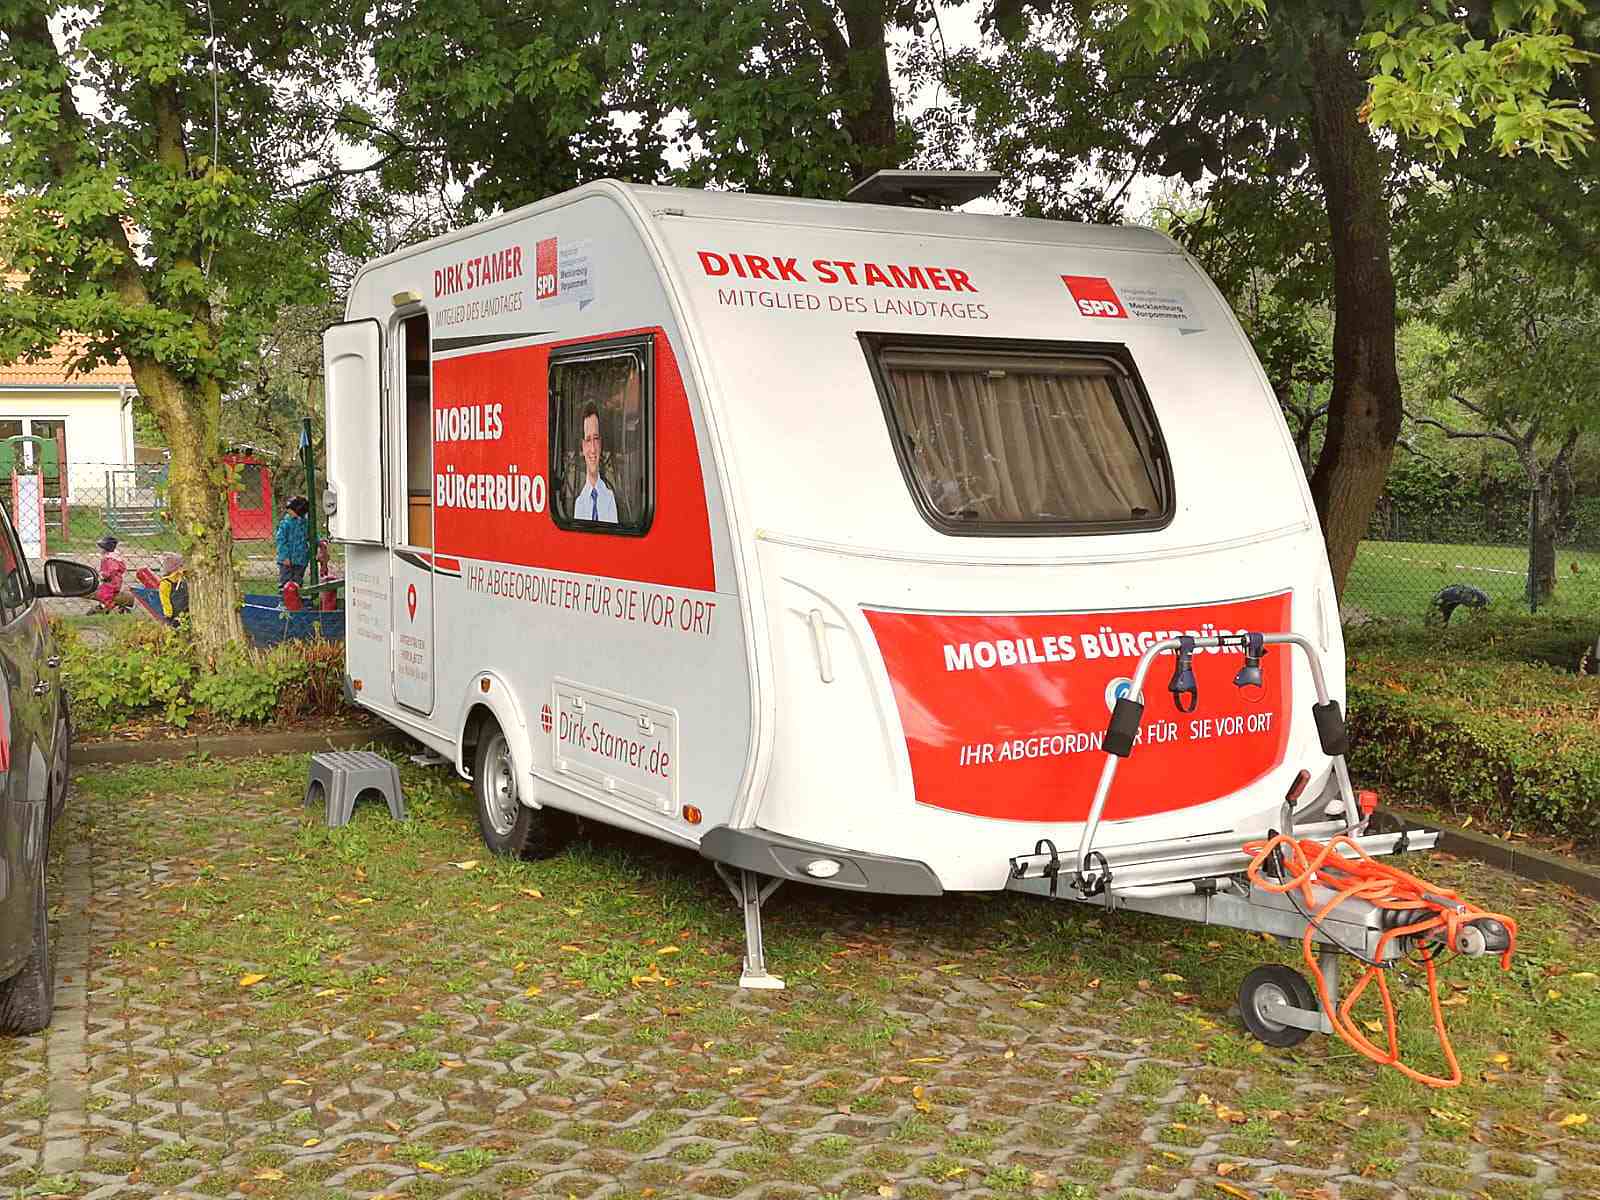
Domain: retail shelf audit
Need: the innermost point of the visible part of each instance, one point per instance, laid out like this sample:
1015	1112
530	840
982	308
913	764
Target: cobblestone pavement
271	1009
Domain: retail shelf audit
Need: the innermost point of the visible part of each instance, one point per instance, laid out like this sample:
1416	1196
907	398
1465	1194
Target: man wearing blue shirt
596	501
294	543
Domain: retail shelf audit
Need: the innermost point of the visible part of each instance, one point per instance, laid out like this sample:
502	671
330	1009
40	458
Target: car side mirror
66	578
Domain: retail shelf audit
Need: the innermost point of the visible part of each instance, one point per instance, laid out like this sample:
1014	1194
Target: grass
396	958
1398	580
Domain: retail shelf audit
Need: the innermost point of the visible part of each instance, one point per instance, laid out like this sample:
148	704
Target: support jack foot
751	893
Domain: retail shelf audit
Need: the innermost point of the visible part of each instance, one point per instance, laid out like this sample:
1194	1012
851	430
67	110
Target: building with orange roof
89	414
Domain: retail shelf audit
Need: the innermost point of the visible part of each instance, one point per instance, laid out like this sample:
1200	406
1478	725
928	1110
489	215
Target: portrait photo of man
595	501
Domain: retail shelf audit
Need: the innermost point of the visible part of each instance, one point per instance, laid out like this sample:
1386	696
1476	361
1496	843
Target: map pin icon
411	600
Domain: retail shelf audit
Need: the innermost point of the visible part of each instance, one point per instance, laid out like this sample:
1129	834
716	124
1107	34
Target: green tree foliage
1523	72
527	98
1271	107
1516	366
167	195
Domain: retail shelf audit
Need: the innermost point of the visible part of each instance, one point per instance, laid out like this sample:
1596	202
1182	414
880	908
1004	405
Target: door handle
53	661
40	688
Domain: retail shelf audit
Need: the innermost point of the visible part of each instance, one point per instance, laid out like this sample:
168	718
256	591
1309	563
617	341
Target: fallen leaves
249	981
1573	1120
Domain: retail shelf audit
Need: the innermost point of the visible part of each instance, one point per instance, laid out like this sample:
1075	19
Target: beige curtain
1007	442
613	386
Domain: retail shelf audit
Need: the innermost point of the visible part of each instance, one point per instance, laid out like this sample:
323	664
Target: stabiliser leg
751	893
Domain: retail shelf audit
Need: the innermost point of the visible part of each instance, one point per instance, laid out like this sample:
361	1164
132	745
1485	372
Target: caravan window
600	445
1022	438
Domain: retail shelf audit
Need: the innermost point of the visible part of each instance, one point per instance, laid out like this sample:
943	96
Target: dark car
35	741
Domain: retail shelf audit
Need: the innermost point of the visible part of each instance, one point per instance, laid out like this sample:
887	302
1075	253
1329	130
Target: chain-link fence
1411	567
68	512
1419	567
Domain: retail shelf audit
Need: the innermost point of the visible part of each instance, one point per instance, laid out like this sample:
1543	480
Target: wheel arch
491	699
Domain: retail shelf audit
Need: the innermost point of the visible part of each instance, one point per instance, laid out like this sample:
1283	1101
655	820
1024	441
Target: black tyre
1275	982
508	826
27	998
61	768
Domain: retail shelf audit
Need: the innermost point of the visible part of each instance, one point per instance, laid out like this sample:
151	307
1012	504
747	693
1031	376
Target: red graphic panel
1004	715
1095	296
503	442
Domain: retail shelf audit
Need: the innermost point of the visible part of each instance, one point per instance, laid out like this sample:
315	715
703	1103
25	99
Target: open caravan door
352	373
352	368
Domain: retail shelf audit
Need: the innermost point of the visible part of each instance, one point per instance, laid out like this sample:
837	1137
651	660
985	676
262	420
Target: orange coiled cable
1307	862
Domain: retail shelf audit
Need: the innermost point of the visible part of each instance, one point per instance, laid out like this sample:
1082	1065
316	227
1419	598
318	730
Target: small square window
600	437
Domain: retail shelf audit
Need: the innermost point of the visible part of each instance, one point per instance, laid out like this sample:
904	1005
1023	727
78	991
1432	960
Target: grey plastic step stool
340	777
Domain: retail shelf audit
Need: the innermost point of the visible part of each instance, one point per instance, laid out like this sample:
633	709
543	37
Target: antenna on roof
924	189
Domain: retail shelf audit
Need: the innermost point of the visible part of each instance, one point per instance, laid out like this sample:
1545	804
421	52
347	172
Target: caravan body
823	537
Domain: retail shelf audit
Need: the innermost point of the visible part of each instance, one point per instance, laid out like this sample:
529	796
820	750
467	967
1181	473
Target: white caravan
826	538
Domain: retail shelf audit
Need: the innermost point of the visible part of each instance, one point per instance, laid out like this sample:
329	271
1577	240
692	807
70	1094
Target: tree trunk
1550	495
197	499
858	71
869	91
1542	521
1364	410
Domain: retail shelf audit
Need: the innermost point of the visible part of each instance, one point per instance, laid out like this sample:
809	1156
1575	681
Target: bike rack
1202	879
1130	710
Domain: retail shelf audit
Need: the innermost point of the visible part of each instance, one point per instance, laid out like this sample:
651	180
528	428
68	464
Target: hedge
1491	718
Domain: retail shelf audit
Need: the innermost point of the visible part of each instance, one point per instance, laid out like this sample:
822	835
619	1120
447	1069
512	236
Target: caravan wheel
509	827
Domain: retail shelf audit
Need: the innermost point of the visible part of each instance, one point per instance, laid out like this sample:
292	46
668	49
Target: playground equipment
250	501
30	461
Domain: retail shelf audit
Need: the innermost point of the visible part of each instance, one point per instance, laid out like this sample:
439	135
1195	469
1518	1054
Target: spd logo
1094	296
545	280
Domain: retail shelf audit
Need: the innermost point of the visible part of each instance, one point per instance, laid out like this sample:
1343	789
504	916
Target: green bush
146	671
1489	718
244	687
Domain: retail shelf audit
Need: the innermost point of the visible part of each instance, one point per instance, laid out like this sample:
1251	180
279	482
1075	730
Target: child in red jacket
113	567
